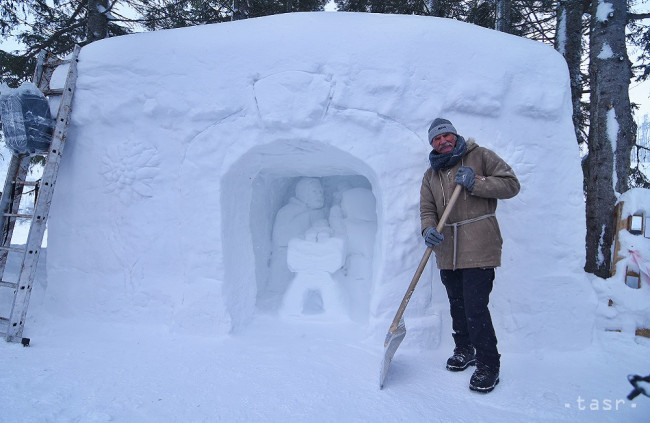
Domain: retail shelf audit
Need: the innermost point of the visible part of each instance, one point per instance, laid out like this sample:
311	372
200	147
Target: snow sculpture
313	260
355	219
130	168
192	244
292	98
292	221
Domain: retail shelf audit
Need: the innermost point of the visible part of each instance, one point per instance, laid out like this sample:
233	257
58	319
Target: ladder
11	327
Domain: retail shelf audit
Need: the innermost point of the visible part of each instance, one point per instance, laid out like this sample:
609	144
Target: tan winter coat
472	235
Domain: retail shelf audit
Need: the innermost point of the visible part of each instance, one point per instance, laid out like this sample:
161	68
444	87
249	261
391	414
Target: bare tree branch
637	16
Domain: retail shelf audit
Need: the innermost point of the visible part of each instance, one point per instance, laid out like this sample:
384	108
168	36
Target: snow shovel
397	330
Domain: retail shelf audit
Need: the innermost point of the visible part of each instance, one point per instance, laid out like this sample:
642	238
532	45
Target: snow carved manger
273	169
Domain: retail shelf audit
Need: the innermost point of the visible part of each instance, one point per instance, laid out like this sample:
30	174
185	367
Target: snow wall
185	144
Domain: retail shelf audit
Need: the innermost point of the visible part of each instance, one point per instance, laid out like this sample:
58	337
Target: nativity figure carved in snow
292	221
322	256
354	219
314	259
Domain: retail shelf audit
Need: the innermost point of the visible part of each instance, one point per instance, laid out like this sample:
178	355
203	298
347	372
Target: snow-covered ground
162	299
85	371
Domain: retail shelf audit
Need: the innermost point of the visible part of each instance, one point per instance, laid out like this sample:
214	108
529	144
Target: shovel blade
393	340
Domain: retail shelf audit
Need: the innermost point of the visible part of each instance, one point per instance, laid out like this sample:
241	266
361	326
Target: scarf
450	158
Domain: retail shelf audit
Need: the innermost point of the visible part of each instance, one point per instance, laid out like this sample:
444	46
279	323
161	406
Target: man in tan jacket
469	247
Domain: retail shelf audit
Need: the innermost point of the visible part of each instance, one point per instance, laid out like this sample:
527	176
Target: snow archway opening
266	210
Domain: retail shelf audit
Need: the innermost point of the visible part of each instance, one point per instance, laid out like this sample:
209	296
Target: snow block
171	183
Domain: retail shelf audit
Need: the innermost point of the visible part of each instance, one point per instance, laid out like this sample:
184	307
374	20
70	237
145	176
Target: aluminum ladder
11	327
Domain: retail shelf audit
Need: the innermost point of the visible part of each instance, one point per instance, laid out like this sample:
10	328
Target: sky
640	94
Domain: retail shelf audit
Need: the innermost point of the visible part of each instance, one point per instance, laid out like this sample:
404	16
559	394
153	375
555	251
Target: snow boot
463	358
484	379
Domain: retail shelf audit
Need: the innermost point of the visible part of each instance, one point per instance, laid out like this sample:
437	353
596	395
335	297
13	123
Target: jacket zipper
441	175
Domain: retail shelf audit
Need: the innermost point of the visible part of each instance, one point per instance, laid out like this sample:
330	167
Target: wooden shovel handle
423	262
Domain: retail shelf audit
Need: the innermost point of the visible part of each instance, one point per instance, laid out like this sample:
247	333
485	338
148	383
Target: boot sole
459	368
484	390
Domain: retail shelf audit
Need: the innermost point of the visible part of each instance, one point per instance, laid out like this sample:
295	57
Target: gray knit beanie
440	126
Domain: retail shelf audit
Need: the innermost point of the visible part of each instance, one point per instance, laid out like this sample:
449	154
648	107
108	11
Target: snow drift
186	143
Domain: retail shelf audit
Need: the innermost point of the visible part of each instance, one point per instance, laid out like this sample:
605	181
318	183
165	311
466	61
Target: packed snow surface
236	221
185	183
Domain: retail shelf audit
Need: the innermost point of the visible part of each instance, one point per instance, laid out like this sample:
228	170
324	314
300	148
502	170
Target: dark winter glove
432	237
465	177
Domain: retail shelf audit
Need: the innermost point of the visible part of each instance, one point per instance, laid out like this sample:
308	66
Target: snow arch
257	180
270	172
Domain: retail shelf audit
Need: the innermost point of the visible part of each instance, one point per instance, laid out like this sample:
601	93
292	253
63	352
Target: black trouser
468	291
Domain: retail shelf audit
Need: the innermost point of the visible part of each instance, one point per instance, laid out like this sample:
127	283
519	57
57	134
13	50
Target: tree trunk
97	27
504	16
436	8
240	10
568	41
612	130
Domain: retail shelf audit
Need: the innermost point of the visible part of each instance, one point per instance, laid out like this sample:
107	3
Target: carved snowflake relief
129	169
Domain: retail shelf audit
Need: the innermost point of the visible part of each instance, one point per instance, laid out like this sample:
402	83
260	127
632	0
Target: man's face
444	143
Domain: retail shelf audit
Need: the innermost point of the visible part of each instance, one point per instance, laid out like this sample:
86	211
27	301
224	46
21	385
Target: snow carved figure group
327	253
292	221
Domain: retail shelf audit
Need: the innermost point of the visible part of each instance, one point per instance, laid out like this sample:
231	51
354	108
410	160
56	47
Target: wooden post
635	224
632	279
619	225
643	332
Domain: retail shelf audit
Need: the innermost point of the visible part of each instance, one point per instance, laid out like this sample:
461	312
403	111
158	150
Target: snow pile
186	144
621	307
